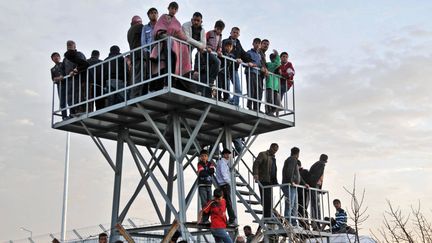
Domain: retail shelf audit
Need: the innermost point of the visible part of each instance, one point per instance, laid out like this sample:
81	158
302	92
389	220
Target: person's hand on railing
219	53
239	61
251	64
209	50
255	178
57	79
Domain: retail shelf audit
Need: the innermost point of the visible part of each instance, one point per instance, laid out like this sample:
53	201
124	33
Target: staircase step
251	202
247	193
255	211
241	184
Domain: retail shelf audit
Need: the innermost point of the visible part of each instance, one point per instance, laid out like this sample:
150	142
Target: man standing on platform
223	178
134	39
291	175
57	74
205	173
241	56
316	175
264	171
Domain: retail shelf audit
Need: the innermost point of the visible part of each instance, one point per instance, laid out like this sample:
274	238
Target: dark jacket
315	173
57	71
205	172
290	171
265	167
75	59
114	69
304	176
238	51
95	72
134	36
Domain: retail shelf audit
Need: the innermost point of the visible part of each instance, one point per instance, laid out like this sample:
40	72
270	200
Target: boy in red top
216	208
287	72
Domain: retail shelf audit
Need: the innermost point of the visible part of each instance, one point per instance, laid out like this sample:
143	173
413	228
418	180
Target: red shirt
288	75
217	209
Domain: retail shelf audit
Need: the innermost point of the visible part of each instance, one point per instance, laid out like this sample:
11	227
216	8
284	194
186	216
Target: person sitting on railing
226	72
272	84
287	72
168	25
205	173
265	172
241	56
95	78
223	179
339	222
254	79
134	36
114	75
291	175
57	75
75	64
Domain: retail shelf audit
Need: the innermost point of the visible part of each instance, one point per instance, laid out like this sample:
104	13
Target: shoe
232	223
206	223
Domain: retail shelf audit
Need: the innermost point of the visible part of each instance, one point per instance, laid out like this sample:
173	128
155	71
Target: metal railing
133	75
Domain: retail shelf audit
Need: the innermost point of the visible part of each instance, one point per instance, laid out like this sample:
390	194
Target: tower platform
105	123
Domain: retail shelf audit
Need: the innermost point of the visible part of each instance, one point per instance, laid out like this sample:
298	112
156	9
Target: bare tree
400	228
357	212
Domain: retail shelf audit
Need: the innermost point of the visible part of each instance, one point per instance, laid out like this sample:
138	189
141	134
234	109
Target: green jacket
273	80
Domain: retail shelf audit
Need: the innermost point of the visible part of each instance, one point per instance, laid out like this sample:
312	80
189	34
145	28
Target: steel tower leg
170	183
117	184
180	176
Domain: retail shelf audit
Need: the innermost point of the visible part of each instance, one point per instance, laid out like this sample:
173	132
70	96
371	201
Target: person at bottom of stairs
216	208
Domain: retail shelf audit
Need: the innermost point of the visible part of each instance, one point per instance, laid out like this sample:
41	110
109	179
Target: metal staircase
270	229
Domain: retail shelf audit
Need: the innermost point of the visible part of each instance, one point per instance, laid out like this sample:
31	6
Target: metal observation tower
165	115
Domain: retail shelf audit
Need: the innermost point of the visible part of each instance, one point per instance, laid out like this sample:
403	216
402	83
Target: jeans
221	235
290	204
205	195
237	88
61	89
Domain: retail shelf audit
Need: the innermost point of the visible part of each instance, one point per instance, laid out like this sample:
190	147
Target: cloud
25	122
30	93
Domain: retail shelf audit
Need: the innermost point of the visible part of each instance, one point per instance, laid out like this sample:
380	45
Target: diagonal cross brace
100	146
248	143
194	133
135	150
156	130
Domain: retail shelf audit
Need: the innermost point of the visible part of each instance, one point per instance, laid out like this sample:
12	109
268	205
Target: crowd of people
217	62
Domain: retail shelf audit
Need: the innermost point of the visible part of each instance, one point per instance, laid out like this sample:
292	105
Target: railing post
169	60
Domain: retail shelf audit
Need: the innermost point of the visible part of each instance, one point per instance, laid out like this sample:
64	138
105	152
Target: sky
363	82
